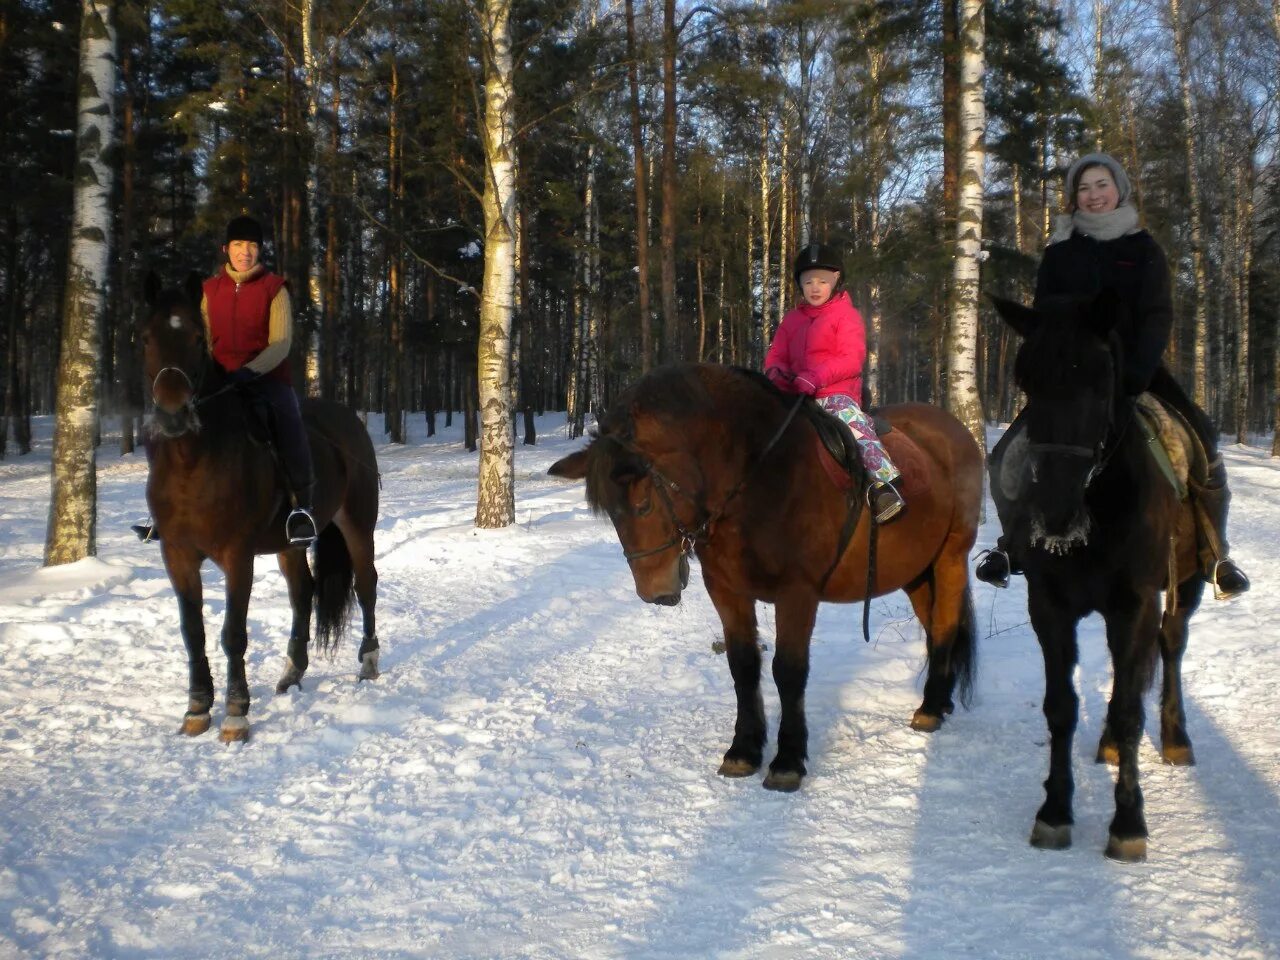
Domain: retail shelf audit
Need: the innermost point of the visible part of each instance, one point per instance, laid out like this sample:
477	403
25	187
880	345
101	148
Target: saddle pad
1167	440
914	463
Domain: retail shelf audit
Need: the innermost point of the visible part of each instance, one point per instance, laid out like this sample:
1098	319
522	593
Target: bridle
686	539
1099	454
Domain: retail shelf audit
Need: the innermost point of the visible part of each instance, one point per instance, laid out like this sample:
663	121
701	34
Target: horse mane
671	395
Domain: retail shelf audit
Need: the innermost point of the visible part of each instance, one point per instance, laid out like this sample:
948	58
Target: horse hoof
292	677
1109	754
194	724
234	730
733	767
925	722
1131	850
1045	837
1178	756
786	781
369	666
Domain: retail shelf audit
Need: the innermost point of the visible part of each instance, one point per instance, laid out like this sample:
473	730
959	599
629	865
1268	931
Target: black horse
1097	529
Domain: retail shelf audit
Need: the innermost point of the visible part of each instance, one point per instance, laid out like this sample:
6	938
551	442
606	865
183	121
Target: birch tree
962	351
74	506
495	502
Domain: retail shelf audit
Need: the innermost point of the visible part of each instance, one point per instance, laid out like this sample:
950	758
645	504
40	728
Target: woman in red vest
249	328
249	323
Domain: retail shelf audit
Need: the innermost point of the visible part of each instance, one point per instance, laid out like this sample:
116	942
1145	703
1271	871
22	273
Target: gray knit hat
1098	160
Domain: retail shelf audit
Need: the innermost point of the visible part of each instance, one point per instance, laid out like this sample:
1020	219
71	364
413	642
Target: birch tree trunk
495	500
74	505
962	351
315	294
1200	366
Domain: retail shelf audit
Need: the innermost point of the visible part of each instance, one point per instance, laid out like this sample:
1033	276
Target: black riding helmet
818	256
244	228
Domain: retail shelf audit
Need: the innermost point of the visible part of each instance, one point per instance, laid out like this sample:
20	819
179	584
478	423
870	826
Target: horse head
175	357
1068	367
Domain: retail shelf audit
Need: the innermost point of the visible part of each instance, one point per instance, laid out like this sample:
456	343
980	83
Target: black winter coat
1135	269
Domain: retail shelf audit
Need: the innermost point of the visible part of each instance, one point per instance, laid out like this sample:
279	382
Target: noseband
178	370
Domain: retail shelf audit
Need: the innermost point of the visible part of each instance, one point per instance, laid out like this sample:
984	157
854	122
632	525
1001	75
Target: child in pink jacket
819	349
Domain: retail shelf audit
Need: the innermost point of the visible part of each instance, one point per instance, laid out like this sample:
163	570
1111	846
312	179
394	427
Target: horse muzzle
174	423
665	587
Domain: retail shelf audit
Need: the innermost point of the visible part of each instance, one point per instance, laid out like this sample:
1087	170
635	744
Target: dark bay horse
701	457
214	492
1097	528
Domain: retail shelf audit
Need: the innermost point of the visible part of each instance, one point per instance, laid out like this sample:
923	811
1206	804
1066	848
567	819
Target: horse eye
645	507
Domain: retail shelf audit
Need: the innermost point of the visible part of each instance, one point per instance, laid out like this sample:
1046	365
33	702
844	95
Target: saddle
837	442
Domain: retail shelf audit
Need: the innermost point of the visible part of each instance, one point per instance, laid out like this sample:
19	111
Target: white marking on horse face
175	321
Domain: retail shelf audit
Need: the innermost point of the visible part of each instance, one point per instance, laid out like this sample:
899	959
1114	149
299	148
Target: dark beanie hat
244	228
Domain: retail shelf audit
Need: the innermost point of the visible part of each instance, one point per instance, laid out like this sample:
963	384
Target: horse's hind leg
943	603
359	540
302	588
920	593
742	646
235	641
1175	744
183	566
1131	632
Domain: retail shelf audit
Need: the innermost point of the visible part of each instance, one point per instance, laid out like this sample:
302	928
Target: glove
242	375
802	384
779	378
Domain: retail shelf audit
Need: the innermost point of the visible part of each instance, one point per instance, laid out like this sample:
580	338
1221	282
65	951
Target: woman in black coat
1098	246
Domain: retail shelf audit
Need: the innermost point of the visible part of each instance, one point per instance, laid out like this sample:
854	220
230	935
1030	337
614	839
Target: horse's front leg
1131	633
796	611
1056	631
183	566
235	641
293	564
742	645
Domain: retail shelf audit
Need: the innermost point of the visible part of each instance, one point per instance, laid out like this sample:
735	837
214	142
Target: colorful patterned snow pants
874	456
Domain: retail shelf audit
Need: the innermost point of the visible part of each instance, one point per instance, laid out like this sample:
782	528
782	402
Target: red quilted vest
240	319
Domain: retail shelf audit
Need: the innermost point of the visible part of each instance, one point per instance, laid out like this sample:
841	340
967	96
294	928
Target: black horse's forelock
1061	356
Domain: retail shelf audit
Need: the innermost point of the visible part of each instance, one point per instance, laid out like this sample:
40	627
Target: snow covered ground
534	773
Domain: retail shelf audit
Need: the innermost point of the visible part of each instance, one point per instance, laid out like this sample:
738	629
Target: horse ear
1024	320
572	467
151	288
194	288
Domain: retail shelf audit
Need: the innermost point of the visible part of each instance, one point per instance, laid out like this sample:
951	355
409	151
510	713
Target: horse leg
742	646
1131	632
1056	632
950	637
796	611
1175	744
302	588
359	542
921	593
183	566
235	641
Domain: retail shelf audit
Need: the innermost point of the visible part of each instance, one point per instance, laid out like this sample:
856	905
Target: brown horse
215	493
702	458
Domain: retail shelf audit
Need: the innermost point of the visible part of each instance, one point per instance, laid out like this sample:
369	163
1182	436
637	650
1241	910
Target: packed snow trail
534	773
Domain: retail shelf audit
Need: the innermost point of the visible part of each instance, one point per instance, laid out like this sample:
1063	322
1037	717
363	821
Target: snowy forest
664	163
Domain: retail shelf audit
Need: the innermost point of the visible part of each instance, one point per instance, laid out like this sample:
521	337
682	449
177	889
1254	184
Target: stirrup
146	532
300	526
889	510
994	568
1218	592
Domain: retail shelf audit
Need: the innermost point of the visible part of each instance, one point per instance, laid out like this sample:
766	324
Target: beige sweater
280	331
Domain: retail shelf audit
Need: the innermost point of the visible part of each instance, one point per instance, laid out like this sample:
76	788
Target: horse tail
335	593
964	649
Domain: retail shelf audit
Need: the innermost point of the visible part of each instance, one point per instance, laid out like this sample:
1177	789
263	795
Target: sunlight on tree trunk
73	509
495	502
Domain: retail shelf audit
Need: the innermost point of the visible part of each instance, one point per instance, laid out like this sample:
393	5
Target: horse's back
936	436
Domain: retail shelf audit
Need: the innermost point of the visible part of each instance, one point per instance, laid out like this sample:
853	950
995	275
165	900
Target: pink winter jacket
819	350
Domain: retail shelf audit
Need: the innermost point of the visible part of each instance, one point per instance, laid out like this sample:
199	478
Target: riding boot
1210	503
300	525
885	500
147	531
996	566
